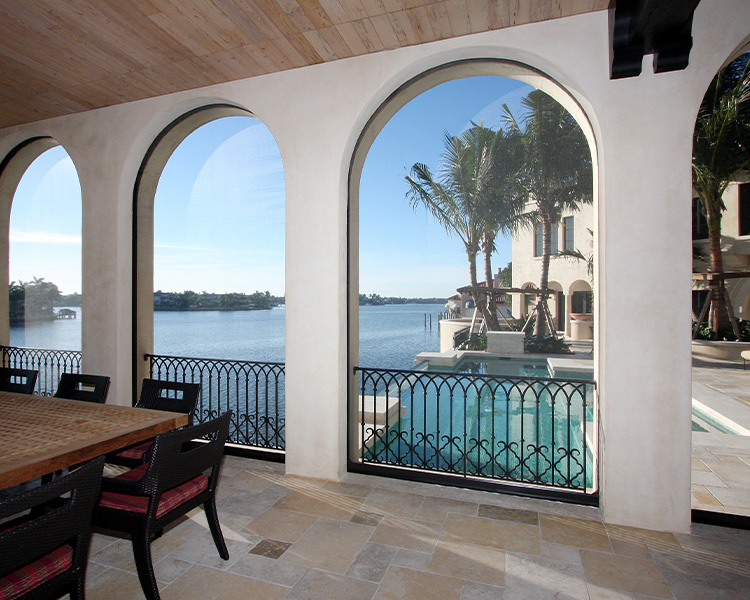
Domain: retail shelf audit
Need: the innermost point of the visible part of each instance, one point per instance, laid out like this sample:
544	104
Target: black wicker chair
173	396
43	552
21	381
181	474
79	386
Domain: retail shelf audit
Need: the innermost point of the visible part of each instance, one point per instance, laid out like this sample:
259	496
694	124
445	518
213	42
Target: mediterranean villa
570	303
120	85
570	281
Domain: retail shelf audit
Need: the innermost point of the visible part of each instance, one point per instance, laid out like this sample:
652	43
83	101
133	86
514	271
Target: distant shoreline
208	308
377	300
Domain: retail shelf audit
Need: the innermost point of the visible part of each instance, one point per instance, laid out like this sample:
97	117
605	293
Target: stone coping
719	350
556	363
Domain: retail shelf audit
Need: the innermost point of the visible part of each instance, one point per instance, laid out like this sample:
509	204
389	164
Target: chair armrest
124	485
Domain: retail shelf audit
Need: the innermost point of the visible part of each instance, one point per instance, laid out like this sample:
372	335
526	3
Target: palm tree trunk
479	300
491	316
719	318
540	327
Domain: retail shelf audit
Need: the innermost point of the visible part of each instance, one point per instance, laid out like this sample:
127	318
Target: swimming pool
555	368
490	419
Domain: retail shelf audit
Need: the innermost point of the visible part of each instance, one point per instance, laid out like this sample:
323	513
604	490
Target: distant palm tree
721	151
469	199
556	174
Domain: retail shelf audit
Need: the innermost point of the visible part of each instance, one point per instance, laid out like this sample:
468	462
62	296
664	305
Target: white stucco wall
643	128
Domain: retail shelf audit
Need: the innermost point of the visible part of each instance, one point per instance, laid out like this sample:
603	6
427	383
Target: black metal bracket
659	27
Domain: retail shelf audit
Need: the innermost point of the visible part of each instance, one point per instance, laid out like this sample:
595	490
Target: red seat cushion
35	574
136	452
169	500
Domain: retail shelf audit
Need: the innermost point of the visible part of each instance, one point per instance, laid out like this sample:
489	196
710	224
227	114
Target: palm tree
468	198
721	143
450	203
556	173
502	210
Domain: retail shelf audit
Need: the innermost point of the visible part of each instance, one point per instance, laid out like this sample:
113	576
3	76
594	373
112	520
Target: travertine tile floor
373	538
720	461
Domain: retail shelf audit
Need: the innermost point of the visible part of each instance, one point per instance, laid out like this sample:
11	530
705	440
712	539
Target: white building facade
571	301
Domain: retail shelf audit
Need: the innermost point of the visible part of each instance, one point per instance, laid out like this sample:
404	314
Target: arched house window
720	288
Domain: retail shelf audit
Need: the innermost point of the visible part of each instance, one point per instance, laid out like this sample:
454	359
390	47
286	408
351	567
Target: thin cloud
43	237
173	246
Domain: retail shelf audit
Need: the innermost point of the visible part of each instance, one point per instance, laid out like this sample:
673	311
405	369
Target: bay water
390	336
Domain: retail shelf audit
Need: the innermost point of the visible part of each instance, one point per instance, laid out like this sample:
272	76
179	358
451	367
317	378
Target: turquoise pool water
501	419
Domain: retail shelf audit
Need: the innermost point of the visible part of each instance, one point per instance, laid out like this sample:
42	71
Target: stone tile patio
373	538
721	461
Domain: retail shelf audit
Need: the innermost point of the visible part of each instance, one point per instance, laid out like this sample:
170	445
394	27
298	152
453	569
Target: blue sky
404	252
219	210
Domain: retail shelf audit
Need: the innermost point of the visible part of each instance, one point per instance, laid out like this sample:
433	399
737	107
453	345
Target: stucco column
99	155
316	250
643	302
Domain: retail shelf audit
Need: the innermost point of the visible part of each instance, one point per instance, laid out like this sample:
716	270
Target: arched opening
209	275
557	305
721	296
40	196
526	302
384	410
580	310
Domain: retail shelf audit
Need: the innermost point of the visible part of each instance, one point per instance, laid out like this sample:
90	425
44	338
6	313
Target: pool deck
721	462
374	538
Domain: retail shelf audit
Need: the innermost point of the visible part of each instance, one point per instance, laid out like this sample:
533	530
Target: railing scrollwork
254	391
528	430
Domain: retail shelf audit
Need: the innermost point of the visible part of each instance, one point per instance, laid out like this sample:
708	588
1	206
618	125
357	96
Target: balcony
367	537
318	115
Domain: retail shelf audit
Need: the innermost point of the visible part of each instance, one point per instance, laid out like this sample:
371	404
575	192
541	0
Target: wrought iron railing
523	430
49	363
254	391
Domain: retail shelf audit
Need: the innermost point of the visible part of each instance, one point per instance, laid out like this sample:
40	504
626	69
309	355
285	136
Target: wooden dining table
39	435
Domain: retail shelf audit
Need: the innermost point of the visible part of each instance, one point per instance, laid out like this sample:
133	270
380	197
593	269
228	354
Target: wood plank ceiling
59	57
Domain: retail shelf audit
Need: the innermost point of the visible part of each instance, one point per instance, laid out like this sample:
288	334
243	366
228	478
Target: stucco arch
452	69
739	289
144	192
12	169
579	285
556	305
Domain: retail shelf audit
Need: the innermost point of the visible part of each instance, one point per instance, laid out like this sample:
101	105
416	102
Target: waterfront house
569	279
121	84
